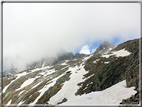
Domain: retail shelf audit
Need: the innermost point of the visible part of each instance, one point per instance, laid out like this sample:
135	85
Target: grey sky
35	30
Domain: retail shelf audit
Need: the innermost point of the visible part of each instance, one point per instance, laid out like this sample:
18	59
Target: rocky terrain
113	73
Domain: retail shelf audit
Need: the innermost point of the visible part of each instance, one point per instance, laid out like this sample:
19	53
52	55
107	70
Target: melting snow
111	96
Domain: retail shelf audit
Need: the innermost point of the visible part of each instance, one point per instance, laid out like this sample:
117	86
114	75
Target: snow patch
106	55
106	62
119	53
122	53
96	60
9	102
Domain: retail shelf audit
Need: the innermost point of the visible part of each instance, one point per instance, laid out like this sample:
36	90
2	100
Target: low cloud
35	30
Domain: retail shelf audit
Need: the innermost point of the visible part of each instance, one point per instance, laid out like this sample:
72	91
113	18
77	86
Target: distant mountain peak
104	47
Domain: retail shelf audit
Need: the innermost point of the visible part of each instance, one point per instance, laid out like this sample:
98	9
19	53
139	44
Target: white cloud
85	50
35	30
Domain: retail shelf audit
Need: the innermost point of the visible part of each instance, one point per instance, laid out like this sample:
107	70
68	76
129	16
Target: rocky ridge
104	47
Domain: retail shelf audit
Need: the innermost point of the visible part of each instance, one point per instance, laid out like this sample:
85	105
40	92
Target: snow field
110	96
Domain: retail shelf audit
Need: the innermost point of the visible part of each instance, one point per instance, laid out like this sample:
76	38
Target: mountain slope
110	69
66	80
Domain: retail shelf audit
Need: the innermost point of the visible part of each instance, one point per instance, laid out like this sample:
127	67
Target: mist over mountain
61	55
104	78
54	60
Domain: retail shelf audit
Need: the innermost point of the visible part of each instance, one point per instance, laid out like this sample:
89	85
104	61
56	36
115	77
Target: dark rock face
104	47
78	55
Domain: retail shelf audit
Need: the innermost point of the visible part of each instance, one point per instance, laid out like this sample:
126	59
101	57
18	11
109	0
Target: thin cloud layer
35	30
